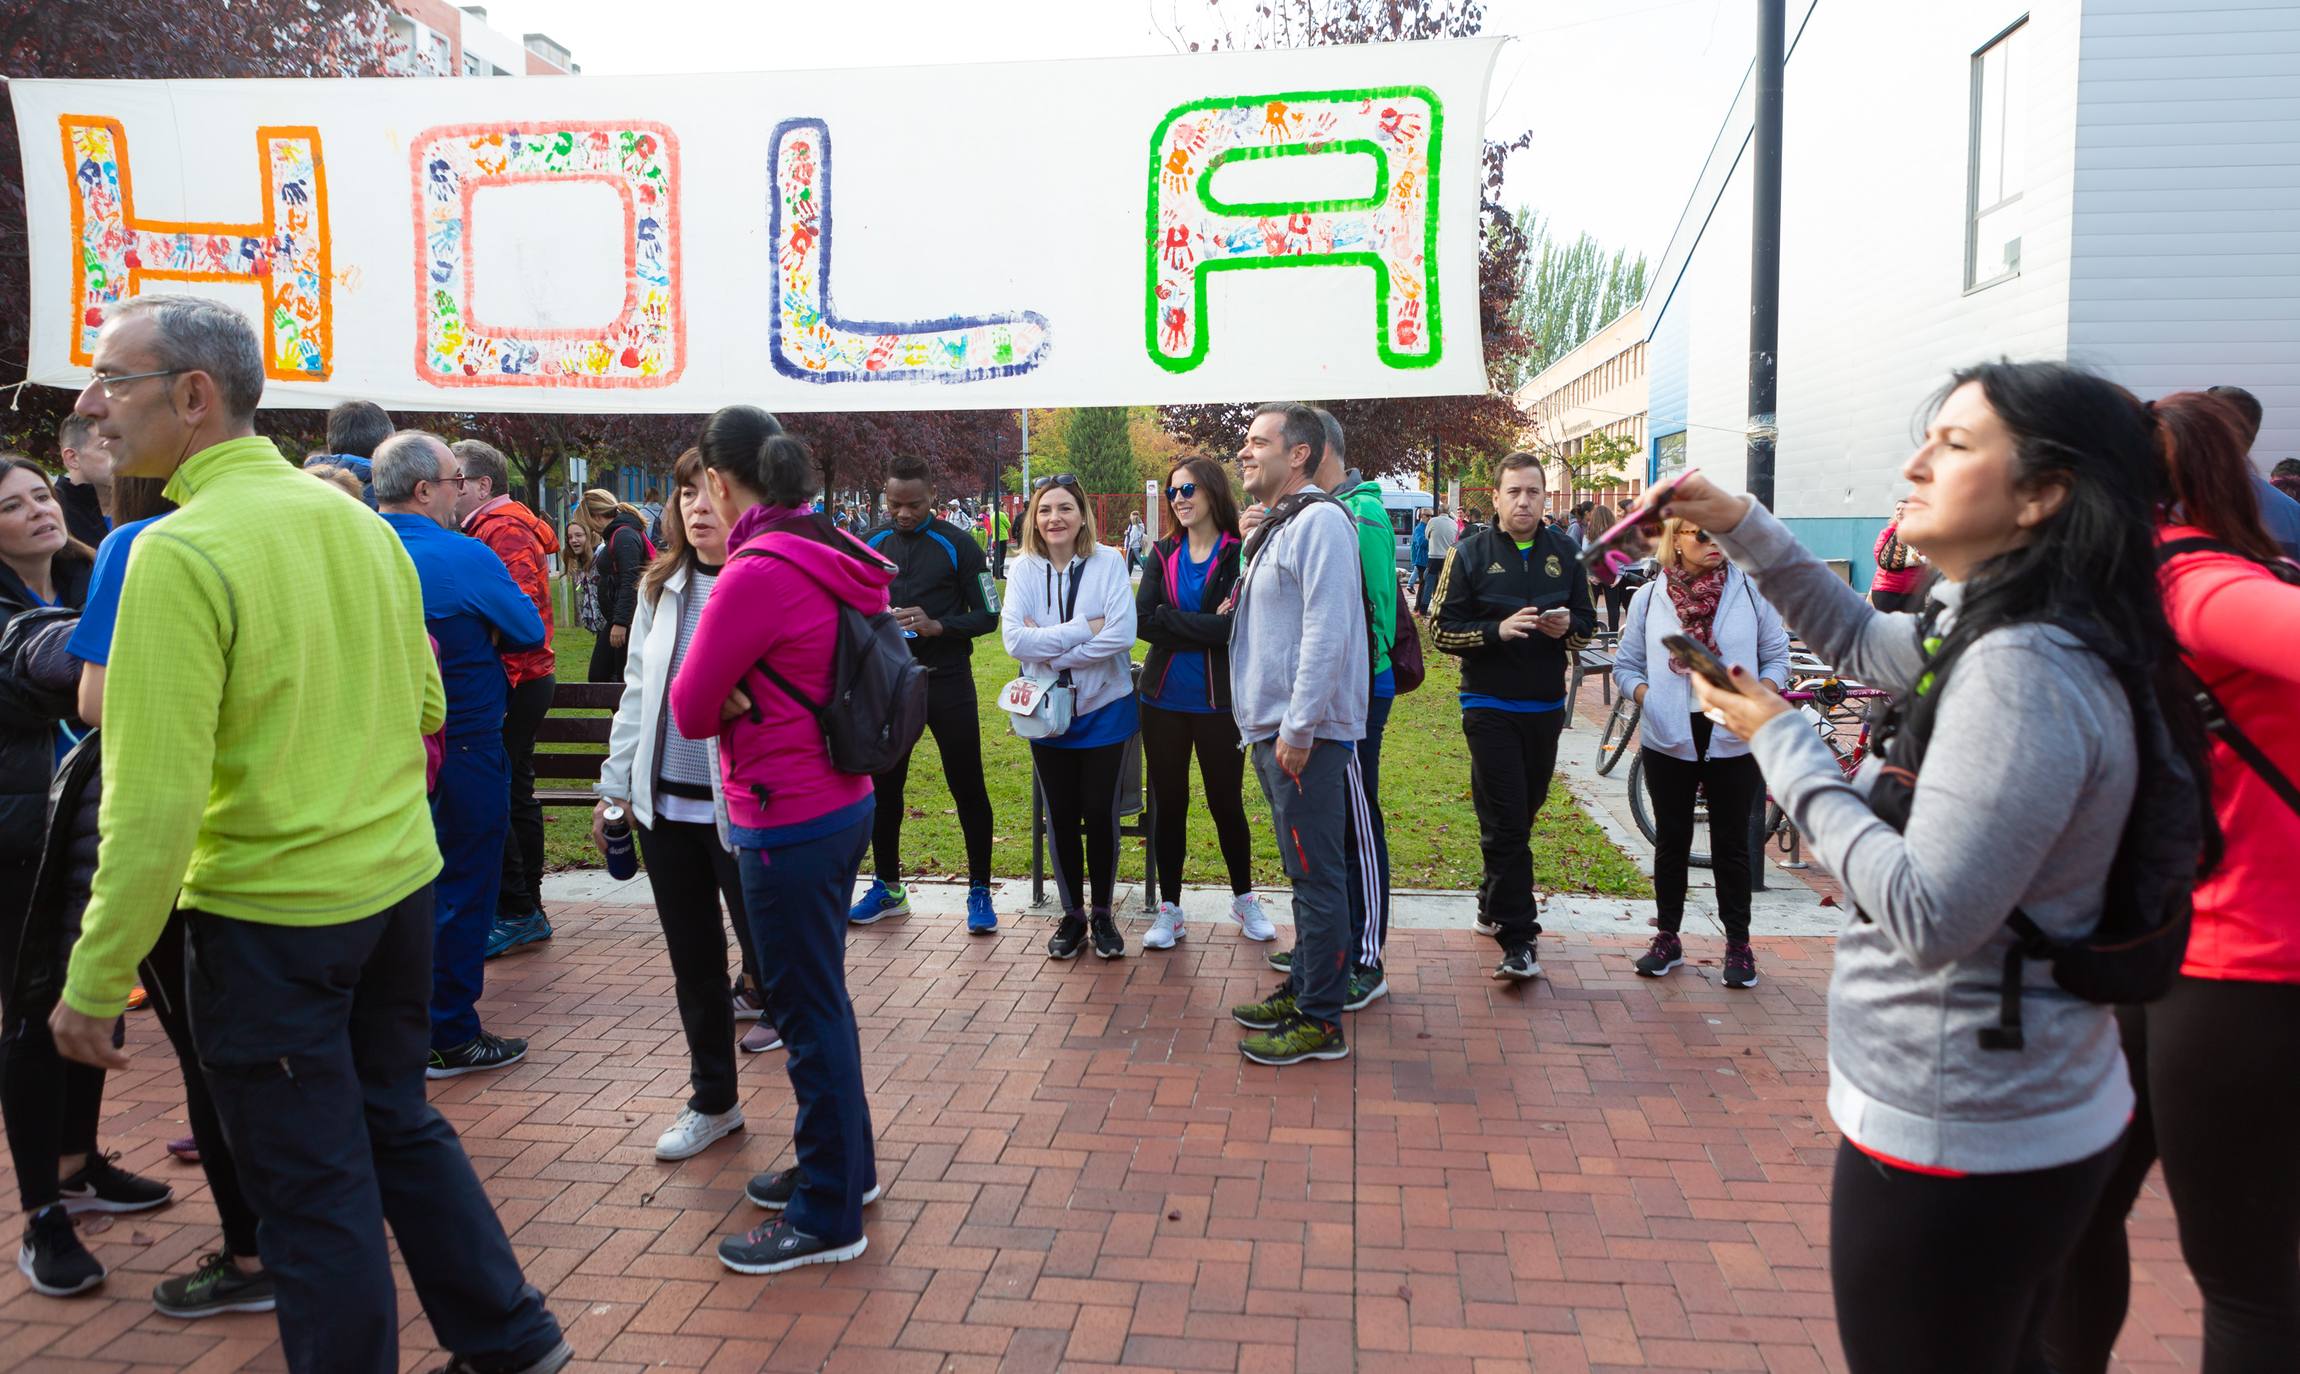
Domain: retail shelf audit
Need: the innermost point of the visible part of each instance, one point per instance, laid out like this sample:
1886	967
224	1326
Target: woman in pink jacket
799	825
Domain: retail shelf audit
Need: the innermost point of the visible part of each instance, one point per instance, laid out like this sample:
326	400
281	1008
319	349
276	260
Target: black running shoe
1068	938
102	1186
1665	953
778	1245
477	1055
1740	965
1517	966
1282	960
558	1357
1108	943
775	1191
53	1257
216	1286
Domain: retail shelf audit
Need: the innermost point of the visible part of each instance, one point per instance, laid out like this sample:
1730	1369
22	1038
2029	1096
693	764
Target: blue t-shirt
2279	515
1386	683
1184	688
1111	724
92	641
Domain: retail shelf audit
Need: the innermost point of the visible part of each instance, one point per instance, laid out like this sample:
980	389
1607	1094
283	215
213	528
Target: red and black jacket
1168	629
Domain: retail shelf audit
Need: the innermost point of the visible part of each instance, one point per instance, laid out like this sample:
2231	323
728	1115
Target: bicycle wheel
1620	729
1641	807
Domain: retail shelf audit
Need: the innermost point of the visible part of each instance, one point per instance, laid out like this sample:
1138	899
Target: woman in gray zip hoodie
1967	1173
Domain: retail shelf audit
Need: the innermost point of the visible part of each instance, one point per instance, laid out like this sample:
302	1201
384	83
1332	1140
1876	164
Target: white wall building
2115	182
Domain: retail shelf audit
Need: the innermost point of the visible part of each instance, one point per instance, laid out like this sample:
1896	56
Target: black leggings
163	971
1168	737
1934	1274
2227	1140
50	1103
1734	787
607	660
691	873
954	714
1081	791
1616	604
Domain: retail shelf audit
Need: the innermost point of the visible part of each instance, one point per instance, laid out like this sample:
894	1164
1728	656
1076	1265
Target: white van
1401	505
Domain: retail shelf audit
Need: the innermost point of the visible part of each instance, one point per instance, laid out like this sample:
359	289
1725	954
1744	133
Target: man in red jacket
524	541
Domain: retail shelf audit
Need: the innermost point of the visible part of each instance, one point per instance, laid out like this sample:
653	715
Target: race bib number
1022	695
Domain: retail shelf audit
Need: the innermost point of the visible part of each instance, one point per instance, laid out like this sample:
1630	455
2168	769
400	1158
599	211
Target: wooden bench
574	770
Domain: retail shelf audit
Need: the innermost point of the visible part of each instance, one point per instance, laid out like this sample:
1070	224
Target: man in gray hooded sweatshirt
1299	679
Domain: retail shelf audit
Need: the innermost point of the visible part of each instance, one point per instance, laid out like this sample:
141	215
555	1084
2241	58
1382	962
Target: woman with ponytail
798	823
2207	1059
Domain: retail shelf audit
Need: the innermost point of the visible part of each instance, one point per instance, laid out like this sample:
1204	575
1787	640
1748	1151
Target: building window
1997	162
1669	454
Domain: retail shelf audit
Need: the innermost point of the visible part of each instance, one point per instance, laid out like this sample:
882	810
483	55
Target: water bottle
622	850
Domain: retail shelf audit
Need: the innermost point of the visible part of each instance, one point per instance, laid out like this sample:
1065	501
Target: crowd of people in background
2079	608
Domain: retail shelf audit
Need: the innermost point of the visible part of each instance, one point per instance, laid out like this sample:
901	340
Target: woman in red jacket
2212	1060
1900	569
798	823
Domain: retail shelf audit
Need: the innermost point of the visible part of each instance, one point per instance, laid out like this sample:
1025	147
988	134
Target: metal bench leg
1037	842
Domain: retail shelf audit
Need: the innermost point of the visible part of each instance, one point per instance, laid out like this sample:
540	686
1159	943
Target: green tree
1567	292
1101	451
1603	461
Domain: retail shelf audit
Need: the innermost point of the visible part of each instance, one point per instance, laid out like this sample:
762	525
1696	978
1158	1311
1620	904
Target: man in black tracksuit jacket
943	594
1513	602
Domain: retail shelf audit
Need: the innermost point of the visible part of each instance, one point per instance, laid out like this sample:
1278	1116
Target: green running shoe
1267	1015
1294	1041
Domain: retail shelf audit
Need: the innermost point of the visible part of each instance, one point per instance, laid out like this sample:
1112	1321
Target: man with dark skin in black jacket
943	597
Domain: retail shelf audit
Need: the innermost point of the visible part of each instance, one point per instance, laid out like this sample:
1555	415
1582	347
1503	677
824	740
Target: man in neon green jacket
300	841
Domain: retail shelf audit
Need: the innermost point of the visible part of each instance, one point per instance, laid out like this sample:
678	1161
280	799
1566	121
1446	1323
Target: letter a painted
1190	234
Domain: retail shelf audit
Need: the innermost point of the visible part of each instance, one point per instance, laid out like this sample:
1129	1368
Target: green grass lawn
1425	795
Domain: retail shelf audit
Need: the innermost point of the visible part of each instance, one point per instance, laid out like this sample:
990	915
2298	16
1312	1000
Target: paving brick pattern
1593	1173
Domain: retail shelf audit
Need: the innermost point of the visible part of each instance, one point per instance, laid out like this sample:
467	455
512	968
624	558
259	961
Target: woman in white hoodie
1069	615
667	785
1701	595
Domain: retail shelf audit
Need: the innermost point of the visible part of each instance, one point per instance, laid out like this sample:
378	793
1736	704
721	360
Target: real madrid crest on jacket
1489	578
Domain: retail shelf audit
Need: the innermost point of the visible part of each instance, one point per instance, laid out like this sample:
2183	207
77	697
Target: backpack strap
2215	716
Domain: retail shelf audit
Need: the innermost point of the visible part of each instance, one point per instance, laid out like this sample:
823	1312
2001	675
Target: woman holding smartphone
1699	596
1971	1163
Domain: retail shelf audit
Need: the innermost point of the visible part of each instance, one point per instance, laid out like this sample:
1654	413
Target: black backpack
877	706
2168	841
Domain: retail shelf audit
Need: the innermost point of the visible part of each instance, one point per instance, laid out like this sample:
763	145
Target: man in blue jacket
477	613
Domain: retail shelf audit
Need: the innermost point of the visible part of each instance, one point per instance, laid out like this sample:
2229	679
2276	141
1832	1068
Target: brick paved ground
1595	1173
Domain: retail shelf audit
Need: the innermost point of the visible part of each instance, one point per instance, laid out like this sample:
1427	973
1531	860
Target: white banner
1046	234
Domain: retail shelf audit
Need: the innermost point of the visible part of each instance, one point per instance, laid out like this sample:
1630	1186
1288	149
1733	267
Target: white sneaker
693	1132
1168	928
1247	911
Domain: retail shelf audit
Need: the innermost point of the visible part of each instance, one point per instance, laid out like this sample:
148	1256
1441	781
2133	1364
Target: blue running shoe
509	933
883	900
980	918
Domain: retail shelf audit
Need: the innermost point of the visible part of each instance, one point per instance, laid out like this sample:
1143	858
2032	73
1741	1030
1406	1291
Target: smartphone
1633	536
1689	655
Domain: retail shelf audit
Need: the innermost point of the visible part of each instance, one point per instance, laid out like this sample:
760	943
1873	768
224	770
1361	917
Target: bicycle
1833	706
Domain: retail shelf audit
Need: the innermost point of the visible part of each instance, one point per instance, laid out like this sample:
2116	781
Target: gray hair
1333	433
483	459
193	334
403	460
72	432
